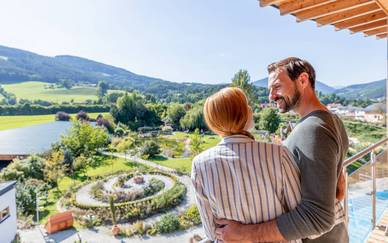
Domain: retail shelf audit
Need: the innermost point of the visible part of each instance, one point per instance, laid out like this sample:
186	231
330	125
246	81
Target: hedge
139	209
27	109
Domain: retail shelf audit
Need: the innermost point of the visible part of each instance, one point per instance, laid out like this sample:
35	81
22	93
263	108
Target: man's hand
230	231
340	193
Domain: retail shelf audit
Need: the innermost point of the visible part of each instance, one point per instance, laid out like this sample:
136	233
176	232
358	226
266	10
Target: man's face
283	90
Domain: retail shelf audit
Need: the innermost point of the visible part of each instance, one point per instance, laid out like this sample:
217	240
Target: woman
241	179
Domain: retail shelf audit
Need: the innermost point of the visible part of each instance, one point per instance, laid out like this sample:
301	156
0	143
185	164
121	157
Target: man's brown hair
294	67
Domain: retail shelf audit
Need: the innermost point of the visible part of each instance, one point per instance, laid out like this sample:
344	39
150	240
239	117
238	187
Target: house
8	218
375	113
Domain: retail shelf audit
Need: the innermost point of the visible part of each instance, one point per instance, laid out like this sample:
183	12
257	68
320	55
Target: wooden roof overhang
367	16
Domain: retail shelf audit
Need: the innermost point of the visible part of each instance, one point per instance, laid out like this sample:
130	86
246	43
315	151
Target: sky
188	40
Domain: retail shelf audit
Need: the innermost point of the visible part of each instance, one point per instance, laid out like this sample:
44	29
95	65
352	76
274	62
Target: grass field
34	90
9	122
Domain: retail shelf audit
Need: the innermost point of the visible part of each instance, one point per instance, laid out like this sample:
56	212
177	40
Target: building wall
8	226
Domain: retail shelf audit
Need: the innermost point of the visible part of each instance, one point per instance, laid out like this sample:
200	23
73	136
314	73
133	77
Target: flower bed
138	209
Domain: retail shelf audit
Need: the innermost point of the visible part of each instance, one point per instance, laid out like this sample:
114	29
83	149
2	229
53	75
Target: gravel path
83	195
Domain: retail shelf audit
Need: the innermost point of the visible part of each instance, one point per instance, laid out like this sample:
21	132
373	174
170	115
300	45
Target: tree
174	113
131	111
102	89
54	167
85	139
112	97
269	120
242	80
67	84
195	143
194	119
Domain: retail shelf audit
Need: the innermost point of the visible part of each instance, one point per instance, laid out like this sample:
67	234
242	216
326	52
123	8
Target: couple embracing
250	191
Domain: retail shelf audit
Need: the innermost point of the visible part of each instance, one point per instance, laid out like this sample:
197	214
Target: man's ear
304	79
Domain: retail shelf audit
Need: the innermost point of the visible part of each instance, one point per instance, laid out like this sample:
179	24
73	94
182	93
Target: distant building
8	224
373	113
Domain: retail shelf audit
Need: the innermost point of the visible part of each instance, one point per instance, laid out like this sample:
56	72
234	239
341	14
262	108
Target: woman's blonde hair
227	112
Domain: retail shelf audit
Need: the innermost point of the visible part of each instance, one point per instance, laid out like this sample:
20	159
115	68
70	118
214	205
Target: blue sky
188	40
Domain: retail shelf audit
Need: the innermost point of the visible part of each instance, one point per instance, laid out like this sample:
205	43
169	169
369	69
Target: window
4	214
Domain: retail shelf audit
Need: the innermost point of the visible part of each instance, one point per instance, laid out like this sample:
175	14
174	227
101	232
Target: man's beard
289	103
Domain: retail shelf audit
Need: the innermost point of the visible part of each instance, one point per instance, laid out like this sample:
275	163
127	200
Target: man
319	144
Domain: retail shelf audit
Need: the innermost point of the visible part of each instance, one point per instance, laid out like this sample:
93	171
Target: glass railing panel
360	186
381	185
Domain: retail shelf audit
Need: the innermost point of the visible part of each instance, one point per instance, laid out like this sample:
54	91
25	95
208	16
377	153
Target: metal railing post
373	163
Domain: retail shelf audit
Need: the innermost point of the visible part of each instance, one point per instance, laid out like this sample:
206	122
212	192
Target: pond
32	139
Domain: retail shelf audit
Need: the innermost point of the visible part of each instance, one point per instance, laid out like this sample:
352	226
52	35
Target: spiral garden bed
136	196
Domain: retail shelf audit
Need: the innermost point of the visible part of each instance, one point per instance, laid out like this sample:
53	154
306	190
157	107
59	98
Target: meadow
10	122
34	90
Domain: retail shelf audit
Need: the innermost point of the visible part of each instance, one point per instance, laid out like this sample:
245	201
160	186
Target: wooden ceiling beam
382	36
295	6
349	14
383	4
330	8
365	19
378	31
370	26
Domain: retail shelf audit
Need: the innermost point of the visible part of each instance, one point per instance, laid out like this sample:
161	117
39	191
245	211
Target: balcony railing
366	188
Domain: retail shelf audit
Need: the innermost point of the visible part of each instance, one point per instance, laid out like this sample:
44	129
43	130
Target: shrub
150	149
152	231
62	116
26	193
154	186
167	224
192	215
82	115
31	167
139	228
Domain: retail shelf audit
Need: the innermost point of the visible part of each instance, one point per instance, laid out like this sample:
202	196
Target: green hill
19	66
372	90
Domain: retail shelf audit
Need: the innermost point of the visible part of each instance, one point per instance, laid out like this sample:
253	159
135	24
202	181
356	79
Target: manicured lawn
108	166
9	122
181	164
209	140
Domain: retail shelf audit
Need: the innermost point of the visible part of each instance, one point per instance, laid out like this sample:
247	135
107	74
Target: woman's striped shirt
246	181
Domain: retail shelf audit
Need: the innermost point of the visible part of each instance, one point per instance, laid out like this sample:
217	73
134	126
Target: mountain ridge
18	65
